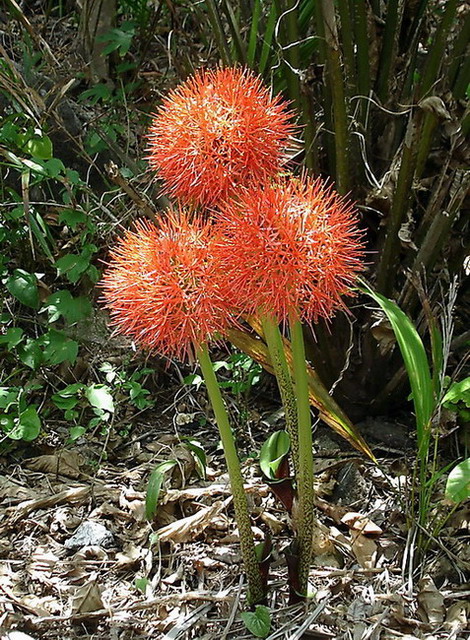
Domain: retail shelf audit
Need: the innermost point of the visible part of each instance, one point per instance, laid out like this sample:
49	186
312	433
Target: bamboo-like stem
437	234
256	591
348	43
458	52
304	516
401	197
430	122
290	35
216	23
462	81
282	372
252	41
238	43
334	65
413	37
387	54
328	138
362	48
436	51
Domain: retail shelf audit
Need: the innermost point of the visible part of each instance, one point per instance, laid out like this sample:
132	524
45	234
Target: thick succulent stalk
256	591
283	375
304	513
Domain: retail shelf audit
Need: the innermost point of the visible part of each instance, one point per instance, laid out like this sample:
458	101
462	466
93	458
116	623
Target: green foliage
273	452
154	486
258	622
417	367
457	398
458	482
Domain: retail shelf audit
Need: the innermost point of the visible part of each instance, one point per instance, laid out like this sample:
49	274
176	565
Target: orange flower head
161	286
292	247
216	131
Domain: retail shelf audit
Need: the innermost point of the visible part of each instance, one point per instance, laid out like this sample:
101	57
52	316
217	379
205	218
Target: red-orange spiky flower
292	247
218	130
161	286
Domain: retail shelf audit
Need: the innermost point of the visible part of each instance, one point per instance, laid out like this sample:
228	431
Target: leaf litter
179	577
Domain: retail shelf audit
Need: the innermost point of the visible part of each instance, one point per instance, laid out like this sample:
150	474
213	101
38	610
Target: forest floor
80	560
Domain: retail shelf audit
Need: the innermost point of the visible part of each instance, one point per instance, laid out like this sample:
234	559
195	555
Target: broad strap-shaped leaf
329	410
416	363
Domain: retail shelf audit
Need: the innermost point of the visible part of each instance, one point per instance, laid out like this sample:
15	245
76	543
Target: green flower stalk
162	288
289	251
256	591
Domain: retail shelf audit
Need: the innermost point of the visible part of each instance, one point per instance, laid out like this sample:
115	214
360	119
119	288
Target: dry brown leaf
365	550
129	555
87	598
457	618
190	527
361	524
431	602
275	525
69	495
12	492
66	463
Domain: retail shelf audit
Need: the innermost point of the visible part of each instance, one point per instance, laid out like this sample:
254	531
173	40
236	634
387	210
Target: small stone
90	534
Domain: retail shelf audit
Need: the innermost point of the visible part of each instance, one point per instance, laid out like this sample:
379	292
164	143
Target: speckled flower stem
256	591
305	508
283	375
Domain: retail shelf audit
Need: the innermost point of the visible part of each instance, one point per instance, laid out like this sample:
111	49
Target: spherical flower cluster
218	130
161	286
288	248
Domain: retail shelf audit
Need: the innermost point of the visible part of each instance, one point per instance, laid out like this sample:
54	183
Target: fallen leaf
431	601
12	492
66	463
190	527
129	555
457	618
361	524
87	598
275	525
365	550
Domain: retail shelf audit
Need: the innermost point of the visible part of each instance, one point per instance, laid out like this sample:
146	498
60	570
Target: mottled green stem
305	513
284	380
255	583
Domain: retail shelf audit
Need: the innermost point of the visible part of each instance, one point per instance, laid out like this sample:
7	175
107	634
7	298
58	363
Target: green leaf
273	452
99	396
69	397
118	39
62	303
72	266
416	364
39	147
153	487
72	217
30	354
24	287
458	392
54	167
12	337
75	433
98	92
141	584
8	397
199	455
193	379
59	348
458	482
27	426
258	622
